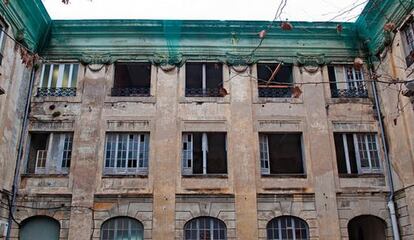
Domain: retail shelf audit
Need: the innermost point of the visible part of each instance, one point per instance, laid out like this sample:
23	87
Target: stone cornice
29	21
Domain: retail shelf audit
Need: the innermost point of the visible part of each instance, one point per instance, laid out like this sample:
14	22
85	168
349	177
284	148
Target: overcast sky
296	10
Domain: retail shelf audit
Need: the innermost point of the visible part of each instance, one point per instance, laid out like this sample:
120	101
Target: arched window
205	228
366	227
124	228
287	227
39	228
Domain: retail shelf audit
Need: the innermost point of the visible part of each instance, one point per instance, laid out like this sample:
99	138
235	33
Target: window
124	228
357	153
408	39
204	80
58	80
287	228
50	153
347	82
275	80
204	153
39	228
281	153
2	41
205	228
367	227
132	80
126	153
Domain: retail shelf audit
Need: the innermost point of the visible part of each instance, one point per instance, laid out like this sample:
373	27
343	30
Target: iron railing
56	92
200	92
356	92
285	92
130	92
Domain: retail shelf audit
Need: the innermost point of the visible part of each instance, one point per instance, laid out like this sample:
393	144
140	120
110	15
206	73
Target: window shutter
187	154
340	77
264	154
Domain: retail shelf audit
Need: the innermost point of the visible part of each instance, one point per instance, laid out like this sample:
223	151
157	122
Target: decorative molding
239	60
204	125
128	125
51	125
105	59
279	125
340	126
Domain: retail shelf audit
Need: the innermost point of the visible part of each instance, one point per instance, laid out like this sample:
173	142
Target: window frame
59	90
282	88
45	163
116	221
408	46
367	152
187	155
205	92
292	229
215	224
3	30
348	81
140	169
265	162
131	91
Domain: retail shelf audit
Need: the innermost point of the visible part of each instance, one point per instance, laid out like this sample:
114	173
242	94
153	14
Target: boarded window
204	153
274	80
132	79
281	153
357	153
39	228
203	79
49	153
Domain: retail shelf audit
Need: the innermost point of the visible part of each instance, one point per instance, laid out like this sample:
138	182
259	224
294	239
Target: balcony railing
206	92
359	92
275	92
130	92
56	92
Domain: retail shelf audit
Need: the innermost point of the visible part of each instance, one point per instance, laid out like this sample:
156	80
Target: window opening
58	80
275	80
204	80
132	80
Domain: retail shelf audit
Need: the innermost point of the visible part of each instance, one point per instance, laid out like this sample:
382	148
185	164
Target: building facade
150	129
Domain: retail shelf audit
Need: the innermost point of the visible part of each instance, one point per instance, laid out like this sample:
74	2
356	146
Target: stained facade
145	129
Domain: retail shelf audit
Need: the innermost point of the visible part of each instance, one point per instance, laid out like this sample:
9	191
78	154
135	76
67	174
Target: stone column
84	159
321	156
242	158
164	163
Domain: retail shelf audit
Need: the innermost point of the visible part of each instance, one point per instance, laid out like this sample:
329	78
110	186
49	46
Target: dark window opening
367	227
132	80
204	80
204	153
275	80
37	151
281	153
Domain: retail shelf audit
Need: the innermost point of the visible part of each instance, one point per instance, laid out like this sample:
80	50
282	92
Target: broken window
50	153
204	80
281	153
126	153
58	80
132	80
274	80
2	41
204	153
347	81
357	153
408	39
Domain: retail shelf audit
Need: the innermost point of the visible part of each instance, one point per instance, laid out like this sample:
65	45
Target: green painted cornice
202	40
375	15
29	21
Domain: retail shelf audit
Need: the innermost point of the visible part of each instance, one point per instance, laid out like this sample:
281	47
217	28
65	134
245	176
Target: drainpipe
23	134
391	203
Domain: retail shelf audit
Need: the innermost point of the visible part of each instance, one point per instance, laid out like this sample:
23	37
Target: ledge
366	101
74	99
205	176
262	100
284	175
111	99
366	175
108	176
201	100
32	175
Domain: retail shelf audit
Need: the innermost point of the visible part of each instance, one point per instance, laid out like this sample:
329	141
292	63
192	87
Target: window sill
262	100
364	175
205	176
125	176
284	176
204	100
55	175
112	99
74	99
367	101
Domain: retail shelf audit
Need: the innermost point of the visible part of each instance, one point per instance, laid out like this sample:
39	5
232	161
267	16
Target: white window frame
141	150
187	157
45	163
59	82
358	152
357	80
